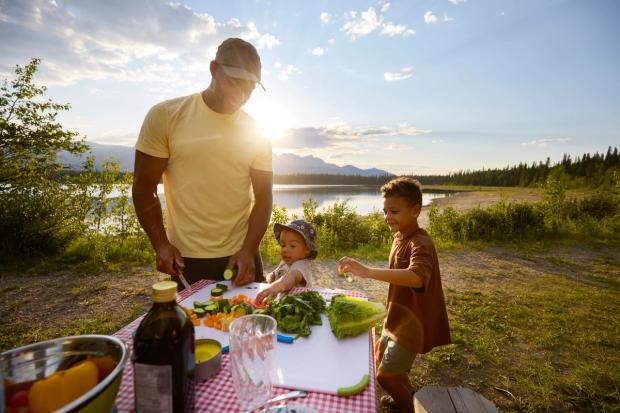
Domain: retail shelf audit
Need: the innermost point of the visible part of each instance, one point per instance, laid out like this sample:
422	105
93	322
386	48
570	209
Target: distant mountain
287	163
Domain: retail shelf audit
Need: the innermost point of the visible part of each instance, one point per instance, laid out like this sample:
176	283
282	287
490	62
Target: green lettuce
350	316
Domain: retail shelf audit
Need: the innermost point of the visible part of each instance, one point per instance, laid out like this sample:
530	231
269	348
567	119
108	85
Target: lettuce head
350	316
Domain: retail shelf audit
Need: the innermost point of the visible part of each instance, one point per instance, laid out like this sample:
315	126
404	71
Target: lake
364	199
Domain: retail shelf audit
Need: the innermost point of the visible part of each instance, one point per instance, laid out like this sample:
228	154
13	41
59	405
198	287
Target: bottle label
152	388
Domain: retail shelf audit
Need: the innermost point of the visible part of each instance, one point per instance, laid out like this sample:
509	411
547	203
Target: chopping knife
181	276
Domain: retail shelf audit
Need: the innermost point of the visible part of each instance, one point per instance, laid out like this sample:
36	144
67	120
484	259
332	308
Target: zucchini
216	292
222	286
230	273
211	309
198	304
221	304
200	312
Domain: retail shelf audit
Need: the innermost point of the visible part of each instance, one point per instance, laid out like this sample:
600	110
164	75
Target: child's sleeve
421	263
304	268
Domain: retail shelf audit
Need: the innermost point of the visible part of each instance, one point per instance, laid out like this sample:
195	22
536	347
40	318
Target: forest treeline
586	171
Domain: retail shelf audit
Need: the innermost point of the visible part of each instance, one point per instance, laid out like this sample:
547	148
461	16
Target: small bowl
208	358
24	365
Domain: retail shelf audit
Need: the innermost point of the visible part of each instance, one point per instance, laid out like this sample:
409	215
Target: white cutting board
318	363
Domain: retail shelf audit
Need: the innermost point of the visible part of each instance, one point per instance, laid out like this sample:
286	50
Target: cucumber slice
222	286
230	273
211	309
222	303
200	312
216	292
198	304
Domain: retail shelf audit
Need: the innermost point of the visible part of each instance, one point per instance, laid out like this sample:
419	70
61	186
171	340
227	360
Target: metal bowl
36	361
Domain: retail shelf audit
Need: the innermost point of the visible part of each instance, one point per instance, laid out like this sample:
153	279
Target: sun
272	119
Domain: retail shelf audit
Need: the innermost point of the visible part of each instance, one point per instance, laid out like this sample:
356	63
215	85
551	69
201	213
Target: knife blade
181	276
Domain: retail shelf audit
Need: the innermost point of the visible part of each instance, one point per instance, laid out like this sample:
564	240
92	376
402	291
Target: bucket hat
303	228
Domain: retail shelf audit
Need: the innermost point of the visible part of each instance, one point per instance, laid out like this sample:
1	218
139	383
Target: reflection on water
364	199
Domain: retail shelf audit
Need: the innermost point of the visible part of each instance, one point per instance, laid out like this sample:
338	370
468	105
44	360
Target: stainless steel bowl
40	360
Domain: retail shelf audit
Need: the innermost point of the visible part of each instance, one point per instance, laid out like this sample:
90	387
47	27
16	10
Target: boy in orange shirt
416	319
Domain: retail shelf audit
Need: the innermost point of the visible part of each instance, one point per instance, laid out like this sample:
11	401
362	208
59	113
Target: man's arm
262	183
147	173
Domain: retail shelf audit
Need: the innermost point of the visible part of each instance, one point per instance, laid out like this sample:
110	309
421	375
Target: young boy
416	319
297	247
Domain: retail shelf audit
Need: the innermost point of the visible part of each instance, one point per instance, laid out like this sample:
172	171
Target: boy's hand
262	296
346	264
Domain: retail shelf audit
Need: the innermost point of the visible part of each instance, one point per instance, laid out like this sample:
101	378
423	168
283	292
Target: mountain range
286	163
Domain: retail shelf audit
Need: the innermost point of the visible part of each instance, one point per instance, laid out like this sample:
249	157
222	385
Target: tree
35	209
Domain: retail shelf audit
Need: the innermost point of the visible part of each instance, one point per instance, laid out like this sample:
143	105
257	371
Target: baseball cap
239	59
303	228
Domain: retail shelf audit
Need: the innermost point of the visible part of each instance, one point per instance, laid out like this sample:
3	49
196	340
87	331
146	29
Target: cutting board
318	363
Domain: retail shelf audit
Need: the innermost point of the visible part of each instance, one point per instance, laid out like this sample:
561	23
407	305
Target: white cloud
390	29
141	40
325	17
367	22
287	71
446	18
399	146
457	2
331	41
429	17
546	141
318	51
405	73
385	6
277	65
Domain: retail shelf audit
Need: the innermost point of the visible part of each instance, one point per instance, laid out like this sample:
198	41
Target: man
208	152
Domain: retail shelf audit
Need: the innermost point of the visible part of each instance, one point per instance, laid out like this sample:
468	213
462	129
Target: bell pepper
53	392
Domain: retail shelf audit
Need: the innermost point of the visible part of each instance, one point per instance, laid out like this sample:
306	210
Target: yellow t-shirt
207	182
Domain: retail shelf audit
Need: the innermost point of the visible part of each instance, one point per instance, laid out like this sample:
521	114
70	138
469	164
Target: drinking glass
252	341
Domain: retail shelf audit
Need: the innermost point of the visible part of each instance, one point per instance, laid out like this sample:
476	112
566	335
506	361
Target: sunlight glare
272	120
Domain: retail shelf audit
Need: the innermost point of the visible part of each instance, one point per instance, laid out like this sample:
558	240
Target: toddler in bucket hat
297	247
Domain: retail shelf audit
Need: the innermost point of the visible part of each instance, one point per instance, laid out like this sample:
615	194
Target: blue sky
427	86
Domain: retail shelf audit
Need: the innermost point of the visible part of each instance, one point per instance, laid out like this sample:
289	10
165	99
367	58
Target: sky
413	87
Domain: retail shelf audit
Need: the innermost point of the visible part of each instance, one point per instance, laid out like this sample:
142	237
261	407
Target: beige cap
164	291
239	59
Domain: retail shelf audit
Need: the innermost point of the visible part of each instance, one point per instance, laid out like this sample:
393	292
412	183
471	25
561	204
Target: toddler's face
292	247
400	214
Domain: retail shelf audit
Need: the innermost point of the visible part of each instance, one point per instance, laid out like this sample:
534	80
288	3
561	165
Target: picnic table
218	395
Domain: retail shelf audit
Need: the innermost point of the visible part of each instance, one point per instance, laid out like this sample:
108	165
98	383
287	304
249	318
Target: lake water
364	199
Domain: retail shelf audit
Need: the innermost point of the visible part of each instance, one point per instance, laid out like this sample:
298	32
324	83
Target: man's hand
244	261
168	256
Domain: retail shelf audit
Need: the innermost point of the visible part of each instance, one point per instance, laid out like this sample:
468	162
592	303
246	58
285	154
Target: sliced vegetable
200	312
222	286
230	273
216	292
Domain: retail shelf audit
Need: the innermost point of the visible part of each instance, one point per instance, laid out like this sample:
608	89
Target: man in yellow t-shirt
216	171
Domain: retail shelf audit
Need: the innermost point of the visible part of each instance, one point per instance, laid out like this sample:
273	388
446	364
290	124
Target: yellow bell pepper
53	392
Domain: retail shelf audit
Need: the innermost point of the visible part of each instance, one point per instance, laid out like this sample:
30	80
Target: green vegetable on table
295	313
350	316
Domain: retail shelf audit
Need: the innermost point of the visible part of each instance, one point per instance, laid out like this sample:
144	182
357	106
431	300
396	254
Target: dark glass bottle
163	356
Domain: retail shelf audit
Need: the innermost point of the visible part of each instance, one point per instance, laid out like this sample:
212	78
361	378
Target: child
297	247
416	319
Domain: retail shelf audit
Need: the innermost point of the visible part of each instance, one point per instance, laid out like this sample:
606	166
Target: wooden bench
432	399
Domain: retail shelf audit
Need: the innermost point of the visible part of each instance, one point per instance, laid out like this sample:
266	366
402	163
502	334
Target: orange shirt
417	318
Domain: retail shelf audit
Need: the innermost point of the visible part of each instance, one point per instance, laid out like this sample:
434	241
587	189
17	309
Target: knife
181	276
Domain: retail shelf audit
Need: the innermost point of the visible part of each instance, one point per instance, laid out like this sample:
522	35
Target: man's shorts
393	358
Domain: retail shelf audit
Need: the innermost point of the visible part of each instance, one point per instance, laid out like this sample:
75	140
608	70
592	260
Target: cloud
331	41
546	141
405	73
366	22
399	146
141	40
325	17
390	29
457	2
287	71
384	5
343	137
318	51
446	18
429	18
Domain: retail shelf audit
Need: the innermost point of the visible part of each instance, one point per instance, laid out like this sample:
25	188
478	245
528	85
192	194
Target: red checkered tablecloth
218	394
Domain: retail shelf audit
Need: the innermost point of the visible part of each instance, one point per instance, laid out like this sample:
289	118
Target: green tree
36	211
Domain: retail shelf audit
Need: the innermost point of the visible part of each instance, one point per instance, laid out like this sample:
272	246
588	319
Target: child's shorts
393	358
